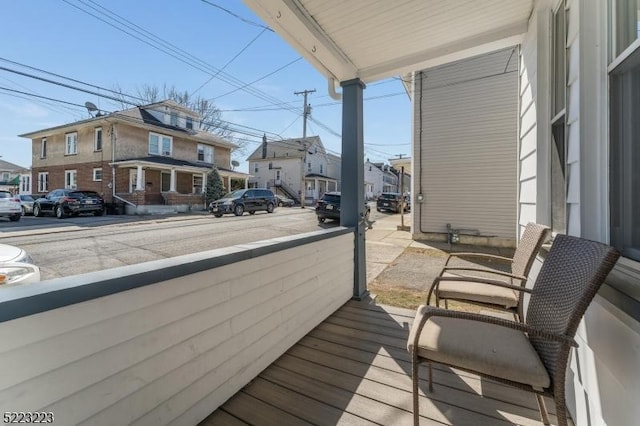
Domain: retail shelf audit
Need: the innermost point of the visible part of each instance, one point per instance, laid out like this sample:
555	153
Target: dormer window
160	144
173	119
189	123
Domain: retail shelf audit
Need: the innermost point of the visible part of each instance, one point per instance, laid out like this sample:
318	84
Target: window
197	184
160	144
43	182
277	174
97	146
97	174
5	176
43	148
624	161
25	184
70	179
173	119
165	182
255	167
624	24
309	167
71	143
558	122
189	123
270	165
320	168
205	153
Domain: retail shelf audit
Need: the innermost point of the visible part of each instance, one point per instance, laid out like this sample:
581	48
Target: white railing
169	340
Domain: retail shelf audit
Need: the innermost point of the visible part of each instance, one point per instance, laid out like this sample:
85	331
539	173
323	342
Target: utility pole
306	111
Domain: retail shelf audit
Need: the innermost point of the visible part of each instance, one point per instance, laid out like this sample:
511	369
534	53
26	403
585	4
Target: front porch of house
354	368
155	186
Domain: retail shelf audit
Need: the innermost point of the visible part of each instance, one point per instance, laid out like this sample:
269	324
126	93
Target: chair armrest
481	280
479	255
430	311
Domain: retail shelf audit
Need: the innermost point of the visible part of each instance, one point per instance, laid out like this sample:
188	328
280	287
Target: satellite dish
90	106
235	163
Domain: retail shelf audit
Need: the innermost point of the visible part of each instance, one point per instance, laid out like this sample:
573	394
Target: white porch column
228	183
246	183
139	185
172	182
204	182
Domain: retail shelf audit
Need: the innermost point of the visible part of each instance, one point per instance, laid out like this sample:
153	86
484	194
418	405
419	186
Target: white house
282	166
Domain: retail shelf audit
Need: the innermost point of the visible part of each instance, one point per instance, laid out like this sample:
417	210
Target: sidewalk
395	260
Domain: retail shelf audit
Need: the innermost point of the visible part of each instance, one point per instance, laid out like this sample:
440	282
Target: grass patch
408	298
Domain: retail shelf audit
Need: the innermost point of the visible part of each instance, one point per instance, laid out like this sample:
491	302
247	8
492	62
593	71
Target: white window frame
161	146
195	180
174	119
97	171
71	179
43	182
43	148
97	139
188	123
206	149
71	143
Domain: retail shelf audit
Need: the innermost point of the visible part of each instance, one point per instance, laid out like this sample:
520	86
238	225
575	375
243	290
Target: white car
16	267
10	206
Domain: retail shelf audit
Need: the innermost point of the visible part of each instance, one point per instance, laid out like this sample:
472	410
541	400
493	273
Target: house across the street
153	158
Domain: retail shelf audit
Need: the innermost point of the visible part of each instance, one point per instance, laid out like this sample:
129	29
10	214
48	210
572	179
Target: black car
244	200
391	201
69	202
284	201
328	207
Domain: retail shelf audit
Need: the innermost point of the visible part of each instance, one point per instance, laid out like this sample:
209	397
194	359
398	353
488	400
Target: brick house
153	158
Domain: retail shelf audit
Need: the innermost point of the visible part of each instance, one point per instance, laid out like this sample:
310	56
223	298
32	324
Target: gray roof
286	148
6	166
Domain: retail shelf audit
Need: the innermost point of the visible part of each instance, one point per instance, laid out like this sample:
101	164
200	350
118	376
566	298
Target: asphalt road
85	244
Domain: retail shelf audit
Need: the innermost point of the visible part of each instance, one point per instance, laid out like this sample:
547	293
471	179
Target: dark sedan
284	201
69	202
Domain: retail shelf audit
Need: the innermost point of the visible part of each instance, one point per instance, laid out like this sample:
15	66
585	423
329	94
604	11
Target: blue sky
55	36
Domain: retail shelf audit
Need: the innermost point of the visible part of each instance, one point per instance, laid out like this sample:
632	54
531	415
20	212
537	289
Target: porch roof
379	39
169	163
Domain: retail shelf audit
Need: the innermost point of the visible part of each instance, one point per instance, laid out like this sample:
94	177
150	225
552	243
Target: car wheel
321	220
270	208
238	210
280	204
36	211
252	212
60	212
218	215
15	217
98	213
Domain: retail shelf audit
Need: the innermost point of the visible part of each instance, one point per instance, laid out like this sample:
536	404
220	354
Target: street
84	244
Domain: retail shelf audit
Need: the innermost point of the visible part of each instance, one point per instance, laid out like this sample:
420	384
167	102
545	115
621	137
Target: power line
181	54
229	62
246	21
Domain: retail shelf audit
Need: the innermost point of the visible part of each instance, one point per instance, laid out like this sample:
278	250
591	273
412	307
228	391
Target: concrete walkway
394	259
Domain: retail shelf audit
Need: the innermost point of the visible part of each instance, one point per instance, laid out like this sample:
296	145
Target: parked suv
328	207
391	201
10	206
65	202
244	200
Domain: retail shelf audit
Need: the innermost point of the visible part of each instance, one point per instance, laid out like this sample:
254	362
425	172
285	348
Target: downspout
113	159
332	89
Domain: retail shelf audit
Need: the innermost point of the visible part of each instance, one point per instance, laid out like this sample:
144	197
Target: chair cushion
477	292
485	348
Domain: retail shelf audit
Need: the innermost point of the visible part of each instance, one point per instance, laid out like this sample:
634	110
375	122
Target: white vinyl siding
173	351
573	119
469	146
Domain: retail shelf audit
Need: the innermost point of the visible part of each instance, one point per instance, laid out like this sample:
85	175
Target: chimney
264	146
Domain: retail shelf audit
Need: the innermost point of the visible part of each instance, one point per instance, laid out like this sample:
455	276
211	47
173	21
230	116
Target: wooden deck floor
354	369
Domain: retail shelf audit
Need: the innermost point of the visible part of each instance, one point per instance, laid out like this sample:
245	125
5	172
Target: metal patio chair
501	289
531	355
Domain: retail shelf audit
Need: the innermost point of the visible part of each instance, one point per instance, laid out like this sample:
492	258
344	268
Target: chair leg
561	411
430	377
543	410
415	366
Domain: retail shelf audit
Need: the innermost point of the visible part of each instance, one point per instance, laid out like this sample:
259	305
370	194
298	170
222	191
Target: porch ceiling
376	39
